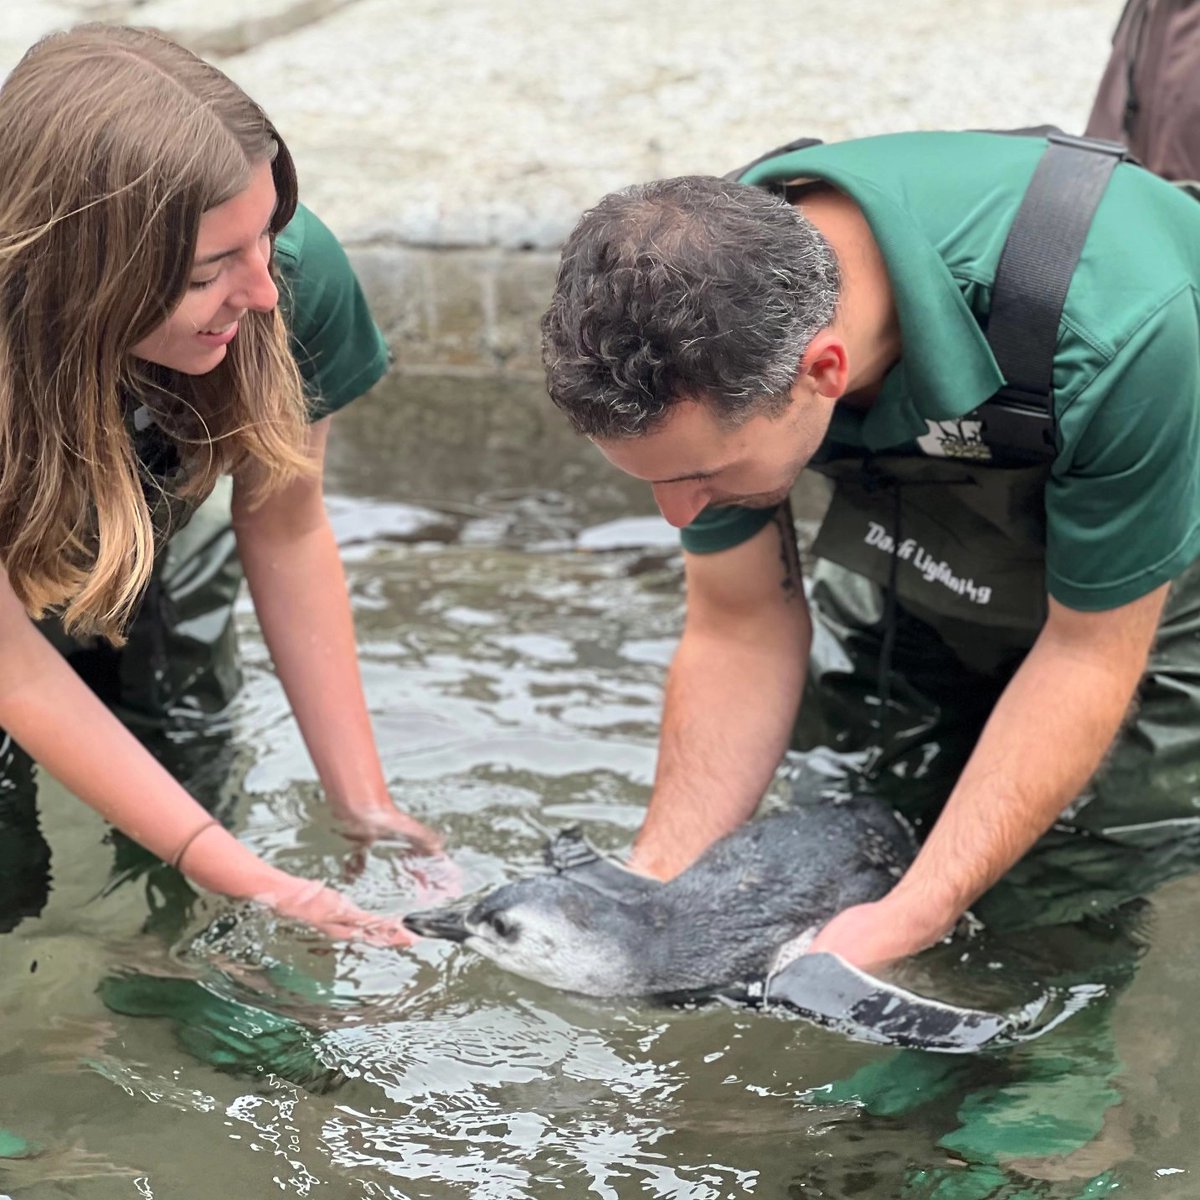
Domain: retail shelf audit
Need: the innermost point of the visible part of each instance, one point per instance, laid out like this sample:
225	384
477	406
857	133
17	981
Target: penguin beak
449	923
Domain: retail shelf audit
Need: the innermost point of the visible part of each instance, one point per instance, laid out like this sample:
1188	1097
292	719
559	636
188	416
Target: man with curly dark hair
979	620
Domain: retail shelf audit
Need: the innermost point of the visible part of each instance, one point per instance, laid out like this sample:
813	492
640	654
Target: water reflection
515	680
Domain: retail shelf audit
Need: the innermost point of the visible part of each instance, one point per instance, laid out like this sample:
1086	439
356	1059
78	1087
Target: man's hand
1046	736
871	935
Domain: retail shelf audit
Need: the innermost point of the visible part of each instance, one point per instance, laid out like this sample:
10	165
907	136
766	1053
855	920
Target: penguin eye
502	927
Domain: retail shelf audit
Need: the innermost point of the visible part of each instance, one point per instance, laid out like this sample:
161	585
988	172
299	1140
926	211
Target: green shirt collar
946	368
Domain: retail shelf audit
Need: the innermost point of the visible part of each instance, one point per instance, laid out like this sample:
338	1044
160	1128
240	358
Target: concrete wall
452	143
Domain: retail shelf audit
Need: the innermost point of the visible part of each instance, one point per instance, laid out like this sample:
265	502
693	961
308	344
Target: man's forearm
731	699
727	718
1044	741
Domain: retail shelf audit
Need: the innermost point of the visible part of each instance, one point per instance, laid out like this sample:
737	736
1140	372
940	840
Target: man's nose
679	503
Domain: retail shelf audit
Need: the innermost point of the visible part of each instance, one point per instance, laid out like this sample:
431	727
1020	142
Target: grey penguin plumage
591	926
734	925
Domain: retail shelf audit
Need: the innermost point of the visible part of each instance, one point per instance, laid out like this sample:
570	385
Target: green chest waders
179	664
177	669
930	588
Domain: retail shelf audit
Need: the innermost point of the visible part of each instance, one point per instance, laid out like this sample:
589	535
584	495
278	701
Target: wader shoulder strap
1035	269
801	143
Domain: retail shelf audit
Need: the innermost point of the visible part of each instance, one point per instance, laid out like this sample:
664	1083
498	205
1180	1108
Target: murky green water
515	681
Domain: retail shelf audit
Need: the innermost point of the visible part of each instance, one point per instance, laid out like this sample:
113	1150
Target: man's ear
825	365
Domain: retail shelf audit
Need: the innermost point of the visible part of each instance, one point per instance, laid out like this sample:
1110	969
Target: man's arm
731	697
1044	740
290	556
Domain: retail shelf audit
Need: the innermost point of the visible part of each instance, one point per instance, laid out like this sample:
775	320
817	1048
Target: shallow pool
513	654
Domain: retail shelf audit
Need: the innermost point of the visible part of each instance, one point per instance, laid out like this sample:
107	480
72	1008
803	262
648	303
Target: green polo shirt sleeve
718	529
336	343
1123	514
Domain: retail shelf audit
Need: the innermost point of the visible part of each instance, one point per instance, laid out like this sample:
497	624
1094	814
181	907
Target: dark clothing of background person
1149	94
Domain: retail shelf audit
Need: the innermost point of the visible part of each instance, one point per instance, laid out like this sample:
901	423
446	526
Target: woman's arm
61	724
292	565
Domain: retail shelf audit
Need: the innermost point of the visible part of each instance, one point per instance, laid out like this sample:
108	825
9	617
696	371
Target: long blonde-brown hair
116	141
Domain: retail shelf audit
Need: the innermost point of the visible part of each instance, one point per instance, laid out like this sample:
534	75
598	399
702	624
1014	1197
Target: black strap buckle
1018	423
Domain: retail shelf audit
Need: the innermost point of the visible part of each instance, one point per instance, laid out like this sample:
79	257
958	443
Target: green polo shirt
1123	497
336	344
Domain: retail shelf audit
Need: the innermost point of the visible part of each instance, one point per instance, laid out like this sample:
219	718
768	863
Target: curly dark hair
696	288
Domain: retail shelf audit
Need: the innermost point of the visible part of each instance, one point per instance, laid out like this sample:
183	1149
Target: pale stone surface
23	23
223	27
495	123
453	145
210	27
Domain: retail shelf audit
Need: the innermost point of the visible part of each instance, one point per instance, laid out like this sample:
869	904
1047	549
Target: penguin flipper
826	989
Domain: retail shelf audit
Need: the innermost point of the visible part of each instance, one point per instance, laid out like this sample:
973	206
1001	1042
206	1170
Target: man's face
692	461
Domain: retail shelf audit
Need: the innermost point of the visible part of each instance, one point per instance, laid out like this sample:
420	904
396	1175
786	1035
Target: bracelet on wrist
177	859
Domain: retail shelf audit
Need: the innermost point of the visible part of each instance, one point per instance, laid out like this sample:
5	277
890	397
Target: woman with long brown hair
148	223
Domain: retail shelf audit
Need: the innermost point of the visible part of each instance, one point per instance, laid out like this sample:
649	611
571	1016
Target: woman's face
230	276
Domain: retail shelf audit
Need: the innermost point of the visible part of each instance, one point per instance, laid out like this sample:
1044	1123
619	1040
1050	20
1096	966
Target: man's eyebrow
694	475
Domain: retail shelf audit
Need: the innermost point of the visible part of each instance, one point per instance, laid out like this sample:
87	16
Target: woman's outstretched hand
332	913
386	823
436	877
